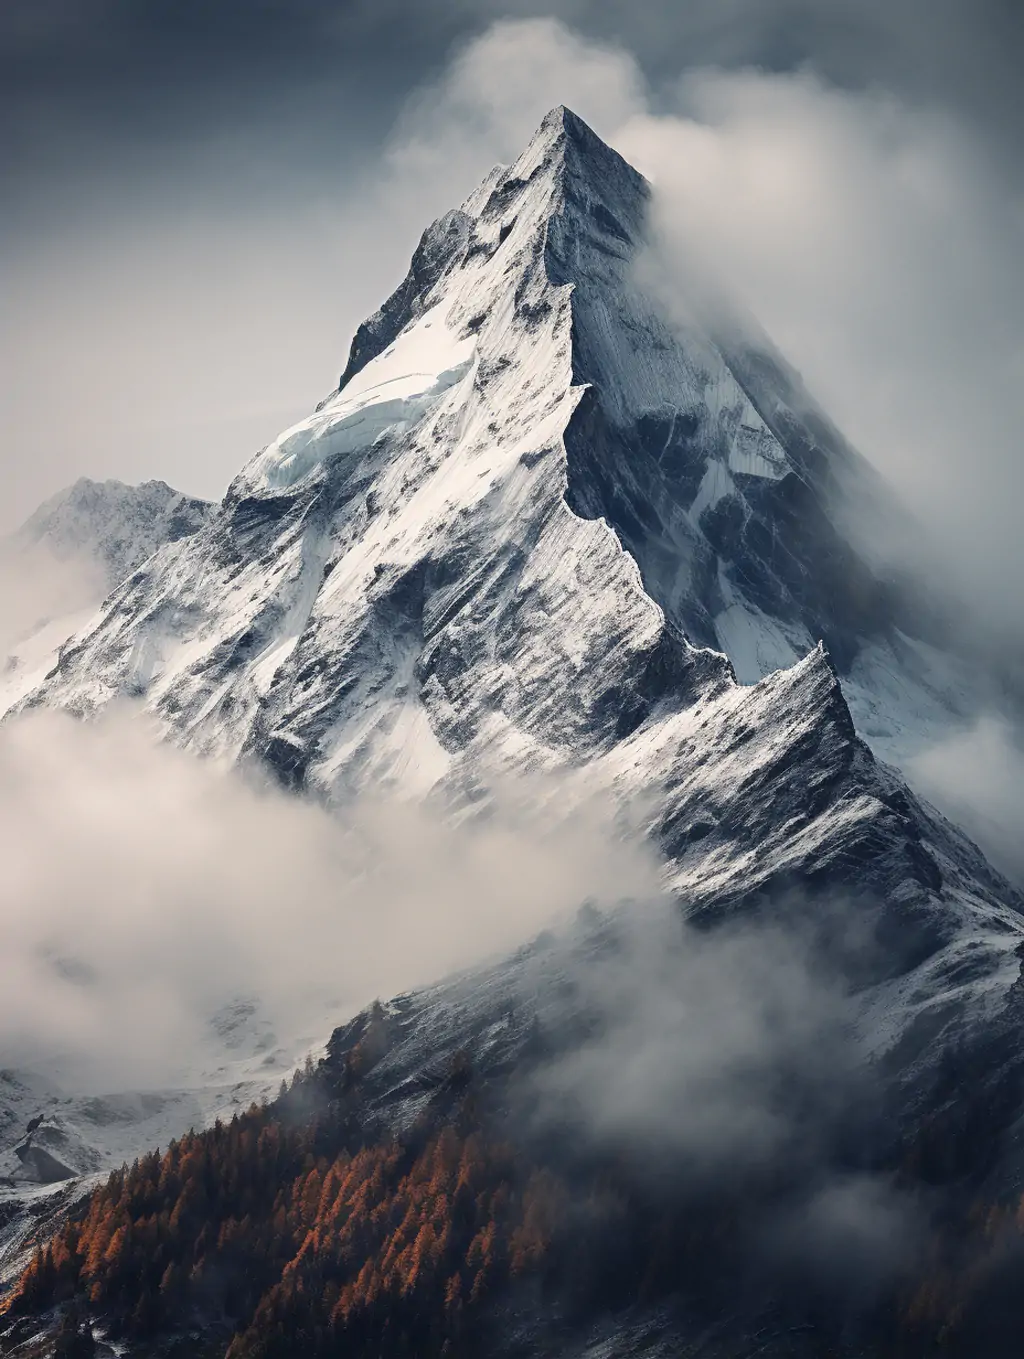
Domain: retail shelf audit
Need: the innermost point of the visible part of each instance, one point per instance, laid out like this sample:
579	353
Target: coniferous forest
307	1227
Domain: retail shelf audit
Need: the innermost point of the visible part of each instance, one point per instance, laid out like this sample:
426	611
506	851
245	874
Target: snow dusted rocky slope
59	565
538	530
115	525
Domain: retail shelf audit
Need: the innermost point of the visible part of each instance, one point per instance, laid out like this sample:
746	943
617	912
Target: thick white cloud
37	587
875	242
731	1057
143	889
977	778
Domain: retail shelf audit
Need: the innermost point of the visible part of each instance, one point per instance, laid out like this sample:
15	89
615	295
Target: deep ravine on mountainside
537	531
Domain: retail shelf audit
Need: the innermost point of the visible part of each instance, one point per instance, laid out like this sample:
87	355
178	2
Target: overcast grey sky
204	197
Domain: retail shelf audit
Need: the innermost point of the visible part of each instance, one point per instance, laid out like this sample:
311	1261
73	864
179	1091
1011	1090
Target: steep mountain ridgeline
498	549
538	530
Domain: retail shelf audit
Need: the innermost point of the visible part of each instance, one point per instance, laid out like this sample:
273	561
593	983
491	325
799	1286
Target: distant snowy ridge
116	525
56	569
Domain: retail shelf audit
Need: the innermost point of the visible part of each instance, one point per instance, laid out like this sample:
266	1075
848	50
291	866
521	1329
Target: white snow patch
394	390
28	663
715	484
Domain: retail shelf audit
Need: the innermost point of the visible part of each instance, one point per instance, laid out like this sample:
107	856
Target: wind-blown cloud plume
37	587
873	241
977	778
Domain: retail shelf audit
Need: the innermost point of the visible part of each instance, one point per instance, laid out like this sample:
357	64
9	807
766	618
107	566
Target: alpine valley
542	533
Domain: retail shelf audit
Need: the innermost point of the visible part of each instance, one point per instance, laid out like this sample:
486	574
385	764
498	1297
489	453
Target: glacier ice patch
393	391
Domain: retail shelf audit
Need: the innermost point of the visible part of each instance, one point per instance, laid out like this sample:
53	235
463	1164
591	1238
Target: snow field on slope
394	390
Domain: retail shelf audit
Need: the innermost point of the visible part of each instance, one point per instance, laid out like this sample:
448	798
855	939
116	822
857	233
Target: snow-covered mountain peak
527	491
561	127
112	524
423	341
565	170
574	158
540	530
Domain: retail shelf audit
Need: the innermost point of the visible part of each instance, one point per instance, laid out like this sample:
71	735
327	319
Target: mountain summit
539	529
531	510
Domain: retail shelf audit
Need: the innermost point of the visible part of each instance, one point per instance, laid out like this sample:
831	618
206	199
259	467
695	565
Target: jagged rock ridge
519	538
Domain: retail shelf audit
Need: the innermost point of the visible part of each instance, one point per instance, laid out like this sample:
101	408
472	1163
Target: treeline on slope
290	1235
310	1237
303	1228
300	1228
